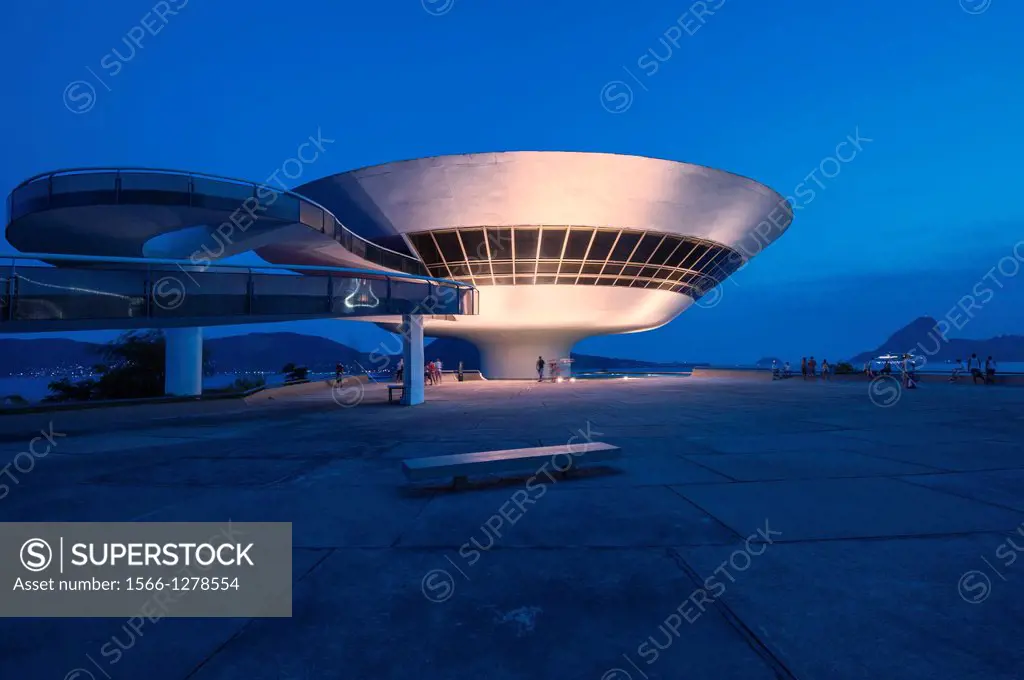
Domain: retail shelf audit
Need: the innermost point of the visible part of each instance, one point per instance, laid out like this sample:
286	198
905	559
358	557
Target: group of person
975	368
431	372
554	370
809	368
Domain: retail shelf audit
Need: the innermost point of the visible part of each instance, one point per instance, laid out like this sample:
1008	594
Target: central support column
412	356
183	362
505	356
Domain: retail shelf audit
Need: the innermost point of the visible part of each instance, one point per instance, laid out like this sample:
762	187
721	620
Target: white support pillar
505	356
183	362
412	355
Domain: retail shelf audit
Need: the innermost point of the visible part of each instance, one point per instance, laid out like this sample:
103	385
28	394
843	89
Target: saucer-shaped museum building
554	246
561	246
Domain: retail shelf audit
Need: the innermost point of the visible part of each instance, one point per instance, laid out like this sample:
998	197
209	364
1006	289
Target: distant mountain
37	355
921	337
271	351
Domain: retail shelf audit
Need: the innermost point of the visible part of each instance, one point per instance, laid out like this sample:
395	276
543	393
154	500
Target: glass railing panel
311	215
178	293
30	198
412	297
278	205
300	295
98	188
363	296
50	293
220	195
150	188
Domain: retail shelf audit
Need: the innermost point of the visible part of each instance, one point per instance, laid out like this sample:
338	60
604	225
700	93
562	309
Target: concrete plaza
752	529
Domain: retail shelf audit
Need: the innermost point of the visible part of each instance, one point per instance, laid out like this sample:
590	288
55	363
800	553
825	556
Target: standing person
437	367
429	373
824	369
775	369
540	369
461	375
803	367
338	370
812	368
990	370
785	370
400	371
974	368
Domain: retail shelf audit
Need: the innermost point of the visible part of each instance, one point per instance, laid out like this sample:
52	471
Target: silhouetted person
990	370
803	367
974	368
540	369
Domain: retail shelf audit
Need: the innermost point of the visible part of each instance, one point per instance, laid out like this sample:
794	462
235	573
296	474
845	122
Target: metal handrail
201	175
48	257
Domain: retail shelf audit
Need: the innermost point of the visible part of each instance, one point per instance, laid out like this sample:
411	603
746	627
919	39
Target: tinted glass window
548	267
646	248
693	256
501	267
459	269
602	245
576	247
526	243
625	246
448	242
425	247
570	268
676	258
526	267
551	241
593	267
544	279
664	250
586	281
499	241
473	243
438	271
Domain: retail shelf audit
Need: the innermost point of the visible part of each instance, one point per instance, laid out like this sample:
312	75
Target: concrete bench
391	392
460	466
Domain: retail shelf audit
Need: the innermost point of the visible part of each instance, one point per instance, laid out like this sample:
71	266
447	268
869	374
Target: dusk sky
907	226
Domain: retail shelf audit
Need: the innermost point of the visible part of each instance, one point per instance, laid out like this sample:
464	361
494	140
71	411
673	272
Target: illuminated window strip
590	244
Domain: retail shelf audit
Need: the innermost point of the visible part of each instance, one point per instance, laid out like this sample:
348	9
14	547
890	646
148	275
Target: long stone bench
459	466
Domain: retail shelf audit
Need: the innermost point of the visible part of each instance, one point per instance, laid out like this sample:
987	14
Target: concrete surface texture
751	529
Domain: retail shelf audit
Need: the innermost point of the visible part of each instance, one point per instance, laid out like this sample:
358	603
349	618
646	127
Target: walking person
437	368
338	370
825	368
803	367
429	373
812	368
540	369
990	371
974	368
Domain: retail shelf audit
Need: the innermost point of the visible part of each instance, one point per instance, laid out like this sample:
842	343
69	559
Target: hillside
920	337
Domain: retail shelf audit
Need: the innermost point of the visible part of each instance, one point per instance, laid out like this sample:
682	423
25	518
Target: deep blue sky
762	89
